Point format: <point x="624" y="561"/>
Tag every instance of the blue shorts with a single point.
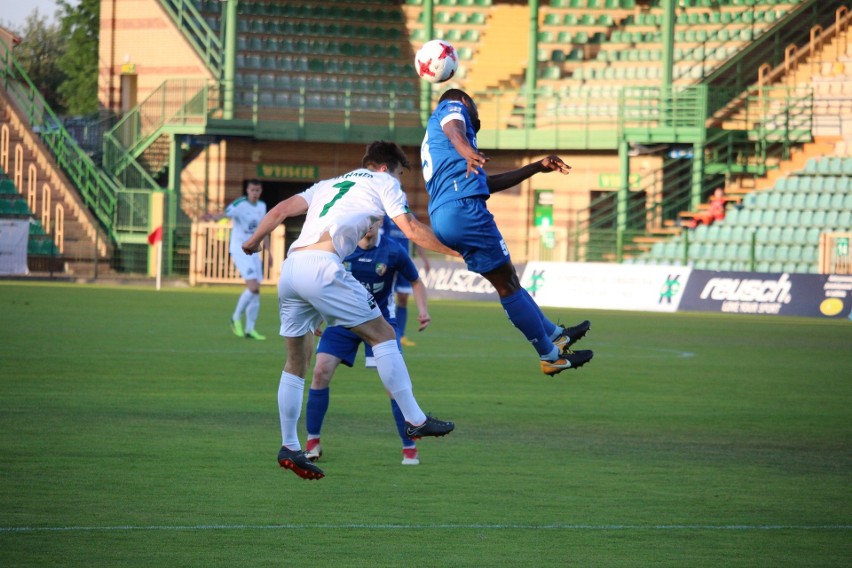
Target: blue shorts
<point x="400" y="284"/>
<point x="467" y="226"/>
<point x="343" y="343"/>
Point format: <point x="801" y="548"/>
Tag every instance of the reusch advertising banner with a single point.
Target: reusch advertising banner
<point x="810" y="295"/>
<point x="606" y="286"/>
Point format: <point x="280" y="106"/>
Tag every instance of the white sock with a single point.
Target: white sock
<point x="242" y="303"/>
<point x="290" y="392"/>
<point x="252" y="310"/>
<point x="394" y="374"/>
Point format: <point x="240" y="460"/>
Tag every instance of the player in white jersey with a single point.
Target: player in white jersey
<point x="246" y="213"/>
<point x="315" y="287"/>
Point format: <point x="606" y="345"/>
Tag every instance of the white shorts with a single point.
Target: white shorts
<point x="250" y="266"/>
<point x="315" y="287"/>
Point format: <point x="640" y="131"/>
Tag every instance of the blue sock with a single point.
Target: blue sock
<point x="525" y="314"/>
<point x="316" y="409"/>
<point x="400" y="425"/>
<point x="550" y="328"/>
<point x="401" y="319"/>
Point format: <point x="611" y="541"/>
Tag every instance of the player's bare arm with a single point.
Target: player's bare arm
<point x="421" y="234"/>
<point x="290" y="207"/>
<point x="418" y="290"/>
<point x="421" y="253"/>
<point x="499" y="182"/>
<point x="455" y="132"/>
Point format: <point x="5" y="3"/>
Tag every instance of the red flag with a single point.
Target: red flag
<point x="155" y="236"/>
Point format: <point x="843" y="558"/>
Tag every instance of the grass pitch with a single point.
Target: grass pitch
<point x="137" y="431"/>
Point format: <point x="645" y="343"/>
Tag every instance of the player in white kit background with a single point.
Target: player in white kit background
<point x="316" y="288"/>
<point x="246" y="213"/>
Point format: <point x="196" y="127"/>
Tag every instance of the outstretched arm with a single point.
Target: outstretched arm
<point x="418" y="290"/>
<point x="290" y="207"/>
<point x="421" y="252"/>
<point x="499" y="182"/>
<point x="421" y="234"/>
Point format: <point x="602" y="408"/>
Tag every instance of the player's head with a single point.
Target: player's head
<point x="253" y="190"/>
<point x="466" y="100"/>
<point x="387" y="157"/>
<point x="369" y="239"/>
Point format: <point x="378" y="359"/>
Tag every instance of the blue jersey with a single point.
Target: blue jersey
<point x="444" y="169"/>
<point x="394" y="233"/>
<point x="375" y="268"/>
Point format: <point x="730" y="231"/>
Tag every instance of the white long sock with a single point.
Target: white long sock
<point x="395" y="377"/>
<point x="290" y="392"/>
<point x="252" y="310"/>
<point x="242" y="303"/>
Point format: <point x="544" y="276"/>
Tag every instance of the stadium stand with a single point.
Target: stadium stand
<point x="14" y="206"/>
<point x="313" y="81"/>
<point x="777" y="228"/>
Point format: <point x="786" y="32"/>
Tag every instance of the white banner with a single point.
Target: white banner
<point x="14" y="234"/>
<point x="606" y="286"/>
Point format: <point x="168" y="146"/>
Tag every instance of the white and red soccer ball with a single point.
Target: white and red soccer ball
<point x="436" y="61"/>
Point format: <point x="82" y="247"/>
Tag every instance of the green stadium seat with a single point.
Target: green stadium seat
<point x="810" y="253"/>
<point x="831" y="219"/>
<point x="774" y="234"/>
<point x="793" y="217"/>
<point x="20" y="207"/>
<point x="811" y="200"/>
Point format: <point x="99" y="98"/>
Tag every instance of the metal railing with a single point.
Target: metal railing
<point x="99" y="192"/>
<point x="177" y="102"/>
<point x="205" y="40"/>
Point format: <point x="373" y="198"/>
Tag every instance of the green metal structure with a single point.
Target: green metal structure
<point x="145" y="151"/>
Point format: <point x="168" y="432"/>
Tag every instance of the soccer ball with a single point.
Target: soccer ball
<point x="436" y="61"/>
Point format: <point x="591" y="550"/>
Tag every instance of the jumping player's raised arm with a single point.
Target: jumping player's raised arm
<point x="421" y="234"/>
<point x="290" y="207"/>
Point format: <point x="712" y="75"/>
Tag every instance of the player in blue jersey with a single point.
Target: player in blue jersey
<point x="401" y="286"/>
<point x="458" y="188"/>
<point x="376" y="262"/>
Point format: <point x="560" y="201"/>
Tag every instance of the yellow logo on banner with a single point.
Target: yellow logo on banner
<point x="831" y="306"/>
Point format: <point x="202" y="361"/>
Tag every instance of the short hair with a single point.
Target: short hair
<point x="455" y="95"/>
<point x="382" y="153"/>
<point x="254" y="181"/>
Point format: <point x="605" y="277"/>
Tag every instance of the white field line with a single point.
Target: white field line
<point x="419" y="527"/>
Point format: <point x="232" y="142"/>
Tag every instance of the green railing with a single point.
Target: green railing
<point x="758" y="129"/>
<point x="653" y="204"/>
<point x="98" y="191"/>
<point x="175" y="103"/>
<point x="205" y="41"/>
<point x="741" y="71"/>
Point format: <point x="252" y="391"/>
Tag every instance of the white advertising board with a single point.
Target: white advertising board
<point x="14" y="234"/>
<point x="606" y="286"/>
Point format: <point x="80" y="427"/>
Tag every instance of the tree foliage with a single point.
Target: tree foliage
<point x="80" y="26"/>
<point x="42" y="44"/>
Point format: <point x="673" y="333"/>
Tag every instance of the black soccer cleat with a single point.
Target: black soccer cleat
<point x="571" y="335"/>
<point x="298" y="463"/>
<point x="567" y="360"/>
<point x="432" y="427"/>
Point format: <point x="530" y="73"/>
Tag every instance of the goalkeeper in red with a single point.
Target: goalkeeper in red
<point x="458" y="188"/>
